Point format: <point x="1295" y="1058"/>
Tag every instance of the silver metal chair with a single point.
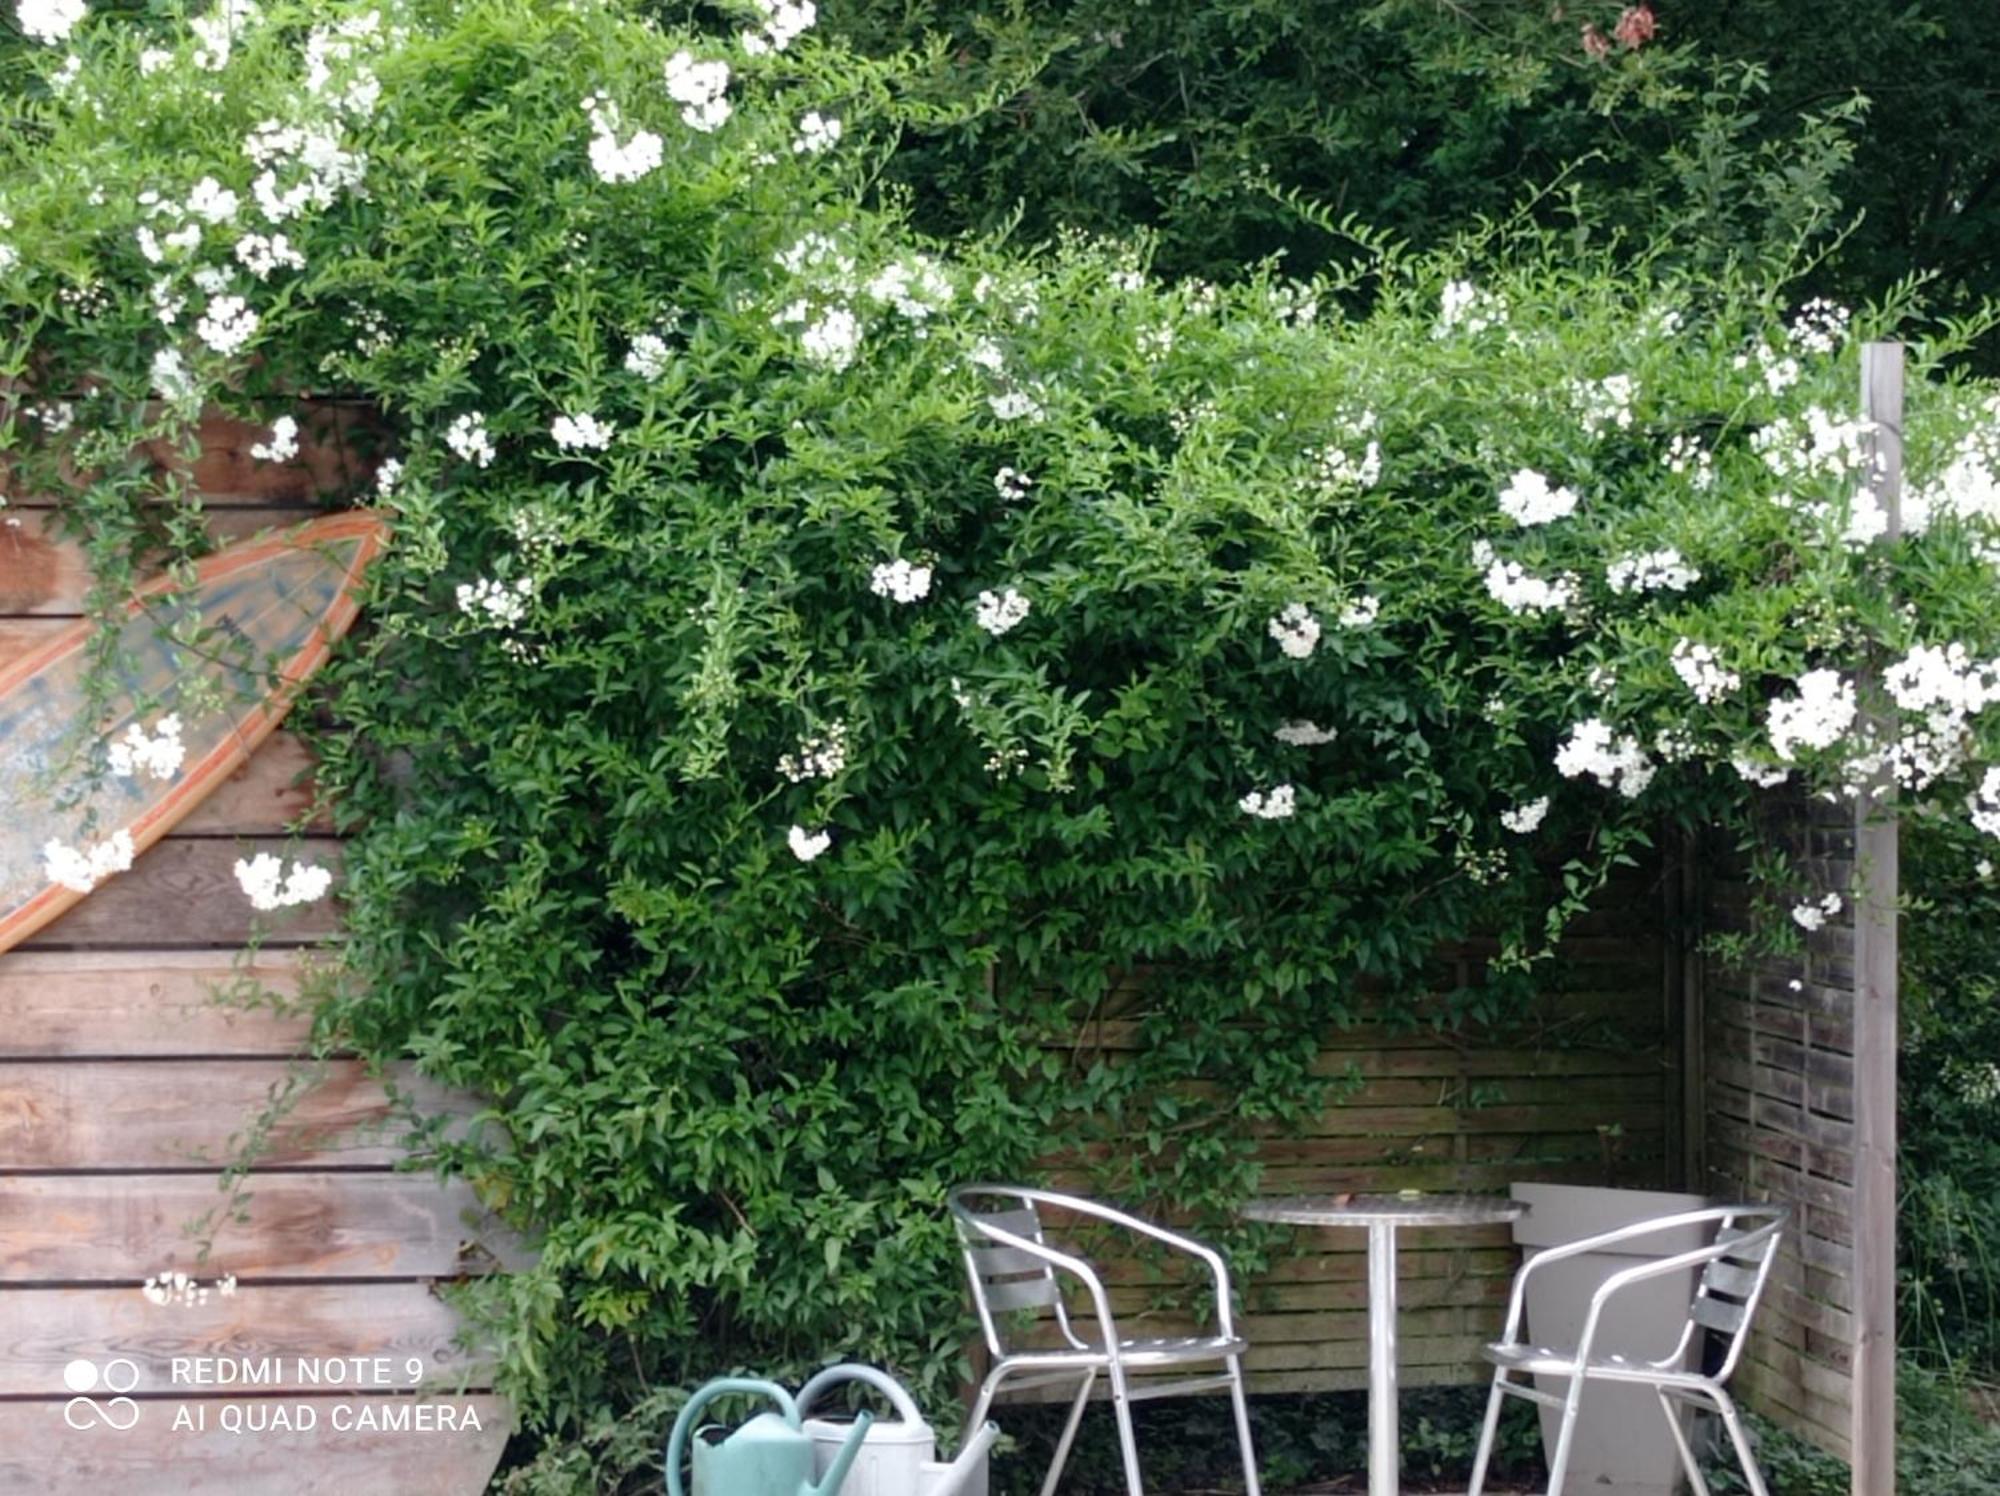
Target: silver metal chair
<point x="1013" y="1268"/>
<point x="1734" y="1268"/>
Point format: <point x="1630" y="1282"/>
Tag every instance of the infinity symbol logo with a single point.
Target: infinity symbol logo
<point x="116" y="1375"/>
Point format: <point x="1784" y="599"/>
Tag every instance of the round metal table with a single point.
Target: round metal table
<point x="1384" y="1215"/>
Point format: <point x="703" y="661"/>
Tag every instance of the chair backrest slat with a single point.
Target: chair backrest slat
<point x="1717" y="1314"/>
<point x="1028" y="1293"/>
<point x="1004" y="1262"/>
<point x="1726" y="1277"/>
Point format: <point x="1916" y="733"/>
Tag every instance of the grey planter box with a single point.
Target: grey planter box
<point x="1622" y="1445"/>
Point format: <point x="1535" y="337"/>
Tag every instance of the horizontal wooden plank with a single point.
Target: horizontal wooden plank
<point x="345" y="1453"/>
<point x="265" y="797"/>
<point x="296" y="1338"/>
<point x="46" y="573"/>
<point x="70" y="1004"/>
<point x="122" y="1228"/>
<point x="136" y="1115"/>
<point x="183" y="893"/>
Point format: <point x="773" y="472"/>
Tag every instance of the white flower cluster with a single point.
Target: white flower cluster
<point x="1463" y="307"/>
<point x="612" y="161"/>
<point x="1817" y="717"/>
<point x="1530" y="499"/>
<point x="1820" y="326"/>
<point x="159" y="753"/>
<point x="283" y="445"/>
<point x="171" y="376"/>
<point x="1814" y="915"/>
<point x="1301" y="733"/>
<point x="49" y="21"/>
<point x="1518" y="590"/>
<point x="1948" y="687"/>
<point x="833" y="339"/>
<point x="1779" y="371"/>
<point x="9" y="255"/>
<point x="53" y="416"/>
<point x="264" y="880"/>
<point x="490" y="601"/>
<point x="1686" y="456"/>
<point x="466" y="436"/>
<point x="261" y="254"/>
<point x="998" y="612"/>
<point x="334" y="75"/>
<point x="1012" y="484"/>
<point x="313" y="152"/>
<point x="179" y="1289"/>
<point x="216" y="32"/>
<point x="701" y="89"/>
<point x="1296" y="631"/>
<point x="807" y="845"/>
<point x="1017" y="405"/>
<point x="898" y="579"/>
<point x="1664" y="570"/>
<point x="1613" y="760"/>
<point x="1281" y="804"/>
<point x="818" y="134"/>
<point x="1362" y="612"/>
<point x="387" y="477"/>
<point x="1984" y="803"/>
<point x="1813" y="445"/>
<point x="1334" y="468"/>
<point x="227" y="324"/>
<point x="81" y="870"/>
<point x="915" y="286"/>
<point x="1764" y="776"/>
<point x="648" y="356"/>
<point x="1969" y="486"/>
<point x="1701" y="670"/>
<point x="1525" y="818"/>
<point x="582" y="432"/>
<point x="820" y="756"/>
<point x="1606" y="402"/>
<point x="785" y="21"/>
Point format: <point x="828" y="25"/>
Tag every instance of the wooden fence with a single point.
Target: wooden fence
<point x="122" y="1085"/>
<point x="1585" y="1089"/>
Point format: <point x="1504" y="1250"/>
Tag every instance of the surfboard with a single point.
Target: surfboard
<point x="224" y="655"/>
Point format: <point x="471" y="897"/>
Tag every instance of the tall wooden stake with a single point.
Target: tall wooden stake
<point x="1877" y="893"/>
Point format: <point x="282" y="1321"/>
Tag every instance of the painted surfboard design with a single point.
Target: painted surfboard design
<point x="226" y="657"/>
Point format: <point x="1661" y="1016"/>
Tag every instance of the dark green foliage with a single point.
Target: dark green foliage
<point x="1727" y="134"/>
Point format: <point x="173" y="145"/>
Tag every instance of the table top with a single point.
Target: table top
<point x="1386" y="1210"/>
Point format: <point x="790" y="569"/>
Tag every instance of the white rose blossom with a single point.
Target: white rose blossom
<point x="999" y="612"/>
<point x="1525" y="818"/>
<point x="900" y="580"/>
<point x="1530" y="499"/>
<point x="264" y="879"/>
<point x="1281" y="804"/>
<point x="1817" y="717"/>
<point x="1613" y="760"/>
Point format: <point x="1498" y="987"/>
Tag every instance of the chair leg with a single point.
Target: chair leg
<point x="1732" y="1421"/>
<point x="1688" y="1461"/>
<point x="1128" y="1445"/>
<point x="1487" y="1431"/>
<point x="1565" y="1436"/>
<point x="1068" y="1434"/>
<point x="983" y="1404"/>
<point x="1242" y="1401"/>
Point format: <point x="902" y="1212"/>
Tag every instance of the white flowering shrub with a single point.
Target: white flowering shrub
<point x="813" y="663"/>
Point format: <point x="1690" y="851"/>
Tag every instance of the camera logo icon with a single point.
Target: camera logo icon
<point x="84" y="1378"/>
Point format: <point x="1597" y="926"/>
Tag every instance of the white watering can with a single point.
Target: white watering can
<point x="898" y="1457"/>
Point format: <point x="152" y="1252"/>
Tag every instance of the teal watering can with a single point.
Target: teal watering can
<point x="771" y="1455"/>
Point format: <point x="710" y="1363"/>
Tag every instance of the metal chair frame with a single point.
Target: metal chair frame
<point x="1735" y="1268"/>
<point x="1011" y="1266"/>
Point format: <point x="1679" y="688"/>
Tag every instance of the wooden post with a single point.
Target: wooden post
<point x="1876" y="895"/>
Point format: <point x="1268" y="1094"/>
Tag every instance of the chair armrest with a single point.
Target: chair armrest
<point x="1599" y="1242"/>
<point x="1212" y="1259"/>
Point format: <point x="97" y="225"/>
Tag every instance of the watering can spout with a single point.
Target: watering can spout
<point x="844" y="1461"/>
<point x="971" y="1462"/>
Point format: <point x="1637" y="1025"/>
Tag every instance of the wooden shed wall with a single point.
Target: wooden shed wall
<point x="123" y="1084"/>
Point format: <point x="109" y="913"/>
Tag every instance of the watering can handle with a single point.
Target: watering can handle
<point x="881" y="1381"/>
<point x="677" y="1441"/>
